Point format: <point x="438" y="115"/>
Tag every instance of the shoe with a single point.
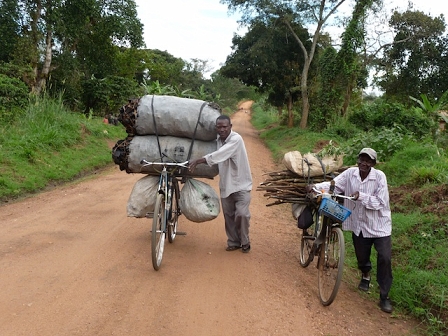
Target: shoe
<point x="232" y="248"/>
<point x="386" y="305"/>
<point x="246" y="248"/>
<point x="364" y="285"/>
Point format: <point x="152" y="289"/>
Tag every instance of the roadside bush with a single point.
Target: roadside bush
<point x="13" y="98"/>
<point x="386" y="142"/>
<point x="382" y="114"/>
<point x="343" y="128"/>
<point x="404" y="166"/>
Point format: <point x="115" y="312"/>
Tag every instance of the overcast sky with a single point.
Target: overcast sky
<point x="203" y="29"/>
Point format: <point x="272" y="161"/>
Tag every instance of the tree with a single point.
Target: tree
<point x="267" y="58"/>
<point x="416" y="61"/>
<point x="315" y="12"/>
<point x="9" y="28"/>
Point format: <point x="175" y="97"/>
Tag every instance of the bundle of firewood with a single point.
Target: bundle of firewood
<point x="286" y="186"/>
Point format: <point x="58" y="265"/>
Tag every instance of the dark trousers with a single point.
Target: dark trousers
<point x="383" y="246"/>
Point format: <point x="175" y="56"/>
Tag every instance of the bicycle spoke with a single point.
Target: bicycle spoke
<point x="331" y="266"/>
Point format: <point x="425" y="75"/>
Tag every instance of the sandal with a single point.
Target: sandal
<point x="232" y="248"/>
<point x="246" y="248"/>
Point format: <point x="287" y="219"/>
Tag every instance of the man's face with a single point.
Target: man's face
<point x="365" y="163"/>
<point x="223" y="127"/>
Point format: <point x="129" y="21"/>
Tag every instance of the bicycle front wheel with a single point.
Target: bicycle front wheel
<point x="174" y="212"/>
<point x="158" y="232"/>
<point x="306" y="242"/>
<point x="331" y="266"/>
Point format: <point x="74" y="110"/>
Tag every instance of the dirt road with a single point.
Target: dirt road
<point x="72" y="263"/>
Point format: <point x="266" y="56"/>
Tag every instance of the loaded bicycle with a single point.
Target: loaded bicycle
<point x="325" y="239"/>
<point x="166" y="210"/>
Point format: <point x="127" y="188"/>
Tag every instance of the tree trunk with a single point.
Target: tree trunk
<point x="290" y="115"/>
<point x="305" y="99"/>
<point x="42" y="81"/>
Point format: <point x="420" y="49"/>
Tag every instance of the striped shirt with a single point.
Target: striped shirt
<point x="233" y="163"/>
<point x="371" y="212"/>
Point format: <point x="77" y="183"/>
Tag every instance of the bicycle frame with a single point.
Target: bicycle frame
<point x="327" y="242"/>
<point x="165" y="210"/>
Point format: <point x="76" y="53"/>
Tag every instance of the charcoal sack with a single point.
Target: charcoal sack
<point x="142" y="199"/>
<point x="199" y="202"/>
<point x="128" y="154"/>
<point x="169" y="115"/>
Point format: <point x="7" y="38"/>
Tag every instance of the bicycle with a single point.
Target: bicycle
<point x="325" y="239"/>
<point x="166" y="210"/>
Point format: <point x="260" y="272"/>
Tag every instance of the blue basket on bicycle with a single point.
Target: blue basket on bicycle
<point x="334" y="210"/>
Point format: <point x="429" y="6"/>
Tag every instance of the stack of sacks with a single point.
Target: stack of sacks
<point x="169" y="129"/>
<point x="178" y="129"/>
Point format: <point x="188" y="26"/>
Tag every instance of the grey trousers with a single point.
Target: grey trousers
<point x="237" y="217"/>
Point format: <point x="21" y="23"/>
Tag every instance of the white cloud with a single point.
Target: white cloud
<point x="189" y="29"/>
<point x="203" y="29"/>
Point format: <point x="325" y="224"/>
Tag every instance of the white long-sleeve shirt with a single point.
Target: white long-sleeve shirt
<point x="233" y="163"/>
<point x="371" y="212"/>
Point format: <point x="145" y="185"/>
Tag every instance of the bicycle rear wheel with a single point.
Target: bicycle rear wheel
<point x="306" y="242"/>
<point x="158" y="232"/>
<point x="331" y="265"/>
<point x="174" y="212"/>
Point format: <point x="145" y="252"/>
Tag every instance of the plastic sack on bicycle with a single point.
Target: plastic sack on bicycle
<point x="304" y="215"/>
<point x="199" y="202"/>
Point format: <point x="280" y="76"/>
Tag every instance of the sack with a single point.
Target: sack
<point x="143" y="197"/>
<point x="305" y="219"/>
<point x="199" y="202"/>
<point x="308" y="165"/>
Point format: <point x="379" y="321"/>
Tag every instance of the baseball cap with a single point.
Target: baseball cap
<point x="369" y="151"/>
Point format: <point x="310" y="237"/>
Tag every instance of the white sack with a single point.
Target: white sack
<point x="309" y="165"/>
<point x="143" y="197"/>
<point x="176" y="149"/>
<point x="199" y="202"/>
<point x="176" y="116"/>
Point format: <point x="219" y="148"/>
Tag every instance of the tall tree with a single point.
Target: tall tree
<point x="267" y="57"/>
<point x="9" y="28"/>
<point x="416" y="61"/>
<point x="313" y="12"/>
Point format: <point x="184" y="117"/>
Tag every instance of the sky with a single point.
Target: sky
<point x="203" y="29"/>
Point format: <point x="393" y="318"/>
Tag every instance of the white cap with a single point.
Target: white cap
<point x="369" y="151"/>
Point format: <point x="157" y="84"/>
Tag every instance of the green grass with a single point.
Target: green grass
<point x="419" y="236"/>
<point x="48" y="145"/>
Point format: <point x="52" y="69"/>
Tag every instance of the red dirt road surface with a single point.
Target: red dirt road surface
<point x="73" y="263"/>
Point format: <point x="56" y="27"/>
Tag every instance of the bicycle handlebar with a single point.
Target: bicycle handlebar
<point x="177" y="164"/>
<point x="351" y="198"/>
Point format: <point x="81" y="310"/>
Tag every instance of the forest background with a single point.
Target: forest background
<point x="65" y="65"/>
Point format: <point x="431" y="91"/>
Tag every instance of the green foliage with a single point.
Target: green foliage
<point x="386" y="142"/>
<point x="342" y="128"/>
<point x="107" y="95"/>
<point x="404" y="167"/>
<point x="51" y="144"/>
<point x="13" y="98"/>
<point x="383" y="114"/>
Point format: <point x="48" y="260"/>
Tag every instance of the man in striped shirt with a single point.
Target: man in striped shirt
<point x="235" y="183"/>
<point x="370" y="221"/>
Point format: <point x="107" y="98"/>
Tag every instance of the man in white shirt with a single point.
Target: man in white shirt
<point x="235" y="183"/>
<point x="370" y="221"/>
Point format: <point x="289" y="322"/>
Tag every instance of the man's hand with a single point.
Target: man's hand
<point x="192" y="164"/>
<point x="355" y="195"/>
<point x="309" y="188"/>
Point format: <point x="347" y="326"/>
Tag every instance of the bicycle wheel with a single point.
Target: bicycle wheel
<point x="173" y="214"/>
<point x="158" y="231"/>
<point x="331" y="265"/>
<point x="306" y="242"/>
